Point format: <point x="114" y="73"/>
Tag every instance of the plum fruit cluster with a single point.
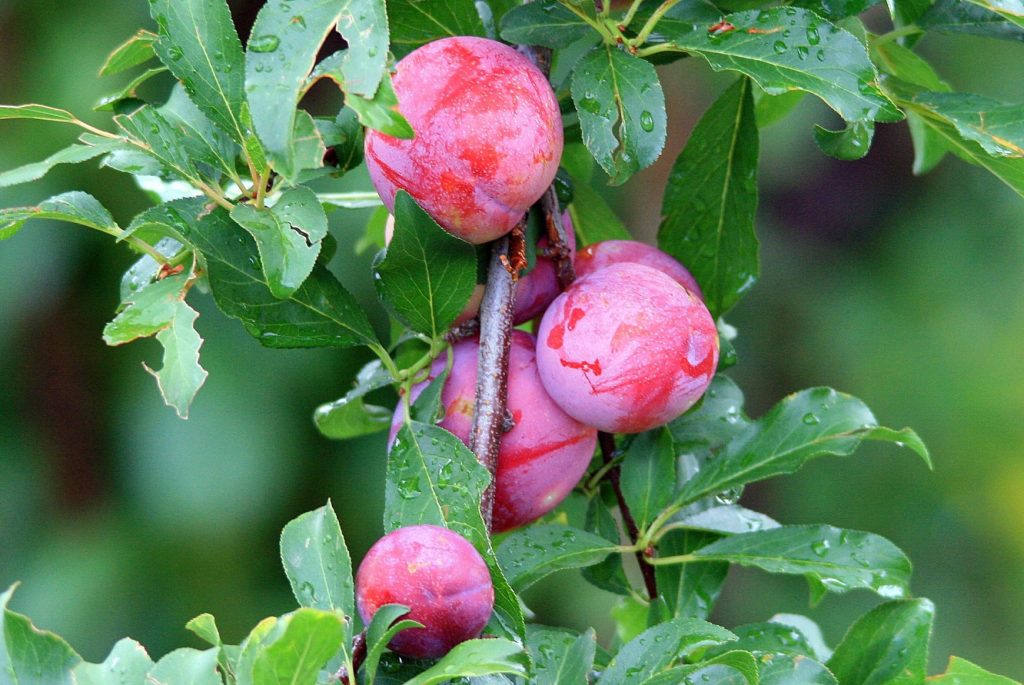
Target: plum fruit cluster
<point x="628" y="346"/>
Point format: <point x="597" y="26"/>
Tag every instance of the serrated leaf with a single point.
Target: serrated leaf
<point x="836" y="9"/>
<point x="543" y="22"/>
<point x="129" y="91"/>
<point x="205" y="142"/>
<point x="73" y="154"/>
<point x="621" y="109"/>
<point x="147" y="311"/>
<point x="957" y="16"/>
<point x="29" y="656"/>
<point x="771" y="109"/>
<point x="135" y="51"/>
<point x="474" y="658"/>
<point x="186" y="667"/>
<point x="648" y="474"/>
<point x="560" y="657"/>
<point x="181" y="376"/>
<point x="321" y="313"/>
<point x="350" y="416"/>
<point x="74" y="207"/>
<point x="690" y="590"/>
<point x="379" y="112"/>
<point x="433" y="478"/>
<point x="205" y="627"/>
<point x="766" y="637"/>
<point x="889" y="644"/>
<point x="288" y="236"/>
<point x="384" y="625"/>
<point x="198" y="43"/>
<point x="805" y="425"/>
<point x="997" y="127"/>
<point x="1011" y="10"/>
<point x="427" y="275"/>
<point x="963" y="672"/>
<point x="161" y="140"/>
<point x="37" y="112"/>
<point x="128" y="662"/>
<point x="364" y="26"/>
<point x="532" y="553"/>
<point x="711" y="199"/>
<point x="318" y="564"/>
<point x="816" y="56"/>
<point x="295" y="648"/>
<point x="592" y="218"/>
<point x="729" y="668"/>
<point x="416" y="22"/>
<point x="657" y="648"/>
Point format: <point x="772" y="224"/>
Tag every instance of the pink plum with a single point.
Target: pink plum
<point x="437" y="574"/>
<point x="626" y="349"/>
<point x="542" y="458"/>
<point x="488" y="136"/>
<point x="608" y="252"/>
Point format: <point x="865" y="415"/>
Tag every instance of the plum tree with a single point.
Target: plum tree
<point x="608" y="252"/>
<point x="437" y="574"/>
<point x="544" y="455"/>
<point x="488" y="136"/>
<point x="626" y="349"/>
<point x="538" y="288"/>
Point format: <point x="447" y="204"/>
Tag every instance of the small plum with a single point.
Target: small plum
<point x="542" y="458"/>
<point x="437" y="574"/>
<point x="488" y="136"/>
<point x="537" y="289"/>
<point x="608" y="252"/>
<point x="626" y="349"/>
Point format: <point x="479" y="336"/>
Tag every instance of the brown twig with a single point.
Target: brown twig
<point x="492" y="364"/>
<point x="607" y="442"/>
<point x="558" y="242"/>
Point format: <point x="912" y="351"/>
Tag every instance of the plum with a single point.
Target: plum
<point x="542" y="458"/>
<point x="488" y="136"/>
<point x="608" y="252"/>
<point x="626" y="349"/>
<point x="537" y="289"/>
<point x="437" y="574"/>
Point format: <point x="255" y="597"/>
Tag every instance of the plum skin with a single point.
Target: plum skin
<point x="626" y="349"/>
<point x="608" y="252"/>
<point x="488" y="136"/>
<point x="439" y="575"/>
<point x="542" y="458"/>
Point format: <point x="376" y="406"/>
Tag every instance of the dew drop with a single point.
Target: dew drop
<point x="646" y="121"/>
<point x="299" y="21"/>
<point x="590" y="105"/>
<point x="820" y="547"/>
<point x="780" y="47"/>
<point x="812" y="35"/>
<point x="820" y="55"/>
<point x="811" y="419"/>
<point x="175" y="53"/>
<point x="801" y="52"/>
<point x="265" y="43"/>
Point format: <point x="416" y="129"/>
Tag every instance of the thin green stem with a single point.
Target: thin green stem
<point x="97" y="131"/>
<point x="901" y="32"/>
<point x="385" y="359"/>
<point x="601" y="473"/>
<point x="598" y="26"/>
<point x="666" y="561"/>
<point x="626" y="20"/>
<point x="652" y="532"/>
<point x="655" y="49"/>
<point x="648" y="27"/>
<point x="261" y="188"/>
<point x="147" y="248"/>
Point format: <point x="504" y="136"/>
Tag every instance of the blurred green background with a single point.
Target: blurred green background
<point x="121" y="519"/>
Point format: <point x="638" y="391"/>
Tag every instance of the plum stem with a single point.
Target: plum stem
<point x="558" y="238"/>
<point x="492" y="362"/>
<point x="607" y="443"/>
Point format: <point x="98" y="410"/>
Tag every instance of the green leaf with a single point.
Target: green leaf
<point x="593" y="219"/>
<point x="851" y="143"/>
<point x="288" y="236"/>
<point x="433" y="478"/>
<point x="205" y="627"/>
<point x="147" y="311"/>
<point x="317" y="562"/>
<point x="956" y="16"/>
<point x="786" y="669"/>
<point x="963" y="672"/>
<point x="657" y="648"/>
<point x="532" y="553"/>
<point x="109" y="102"/>
<point x="185" y="667"/>
<point x="690" y="590"/>
<point x="711" y="198"/>
<point x="805" y="425"/>
<point x="543" y="22"/>
<point x="649" y="474"/>
<point x="163" y="141"/>
<point x="416" y="22"/>
<point x="815" y="56"/>
<point x="295" y="649"/>
<point x="427" y="274"/>
<point x="889" y="644"/>
<point x="135" y="51"/>
<point x="475" y="658"/>
<point x="560" y="657"/>
<point x="205" y="142"/>
<point x="727" y="519"/>
<point x="128" y="662"/>
<point x="198" y="43"/>
<point x="73" y="154"/>
<point x="343" y="137"/>
<point x="997" y="127"/>
<point x="609" y="574"/>
<point x="37" y="112"/>
<point x="321" y="313"/>
<point x="1011" y="10"/>
<point x="715" y="421"/>
<point x="621" y="109"/>
<point x="774" y="638"/>
<point x="29" y="656"/>
<point x="349" y="416"/>
<point x="364" y="26"/>
<point x="384" y="626"/>
<point x="771" y="109"/>
<point x="379" y="112"/>
<point x="74" y="207"/>
<point x="731" y="668"/>
<point x="836" y="9"/>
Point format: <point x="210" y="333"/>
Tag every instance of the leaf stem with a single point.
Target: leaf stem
<point x="655" y="49"/>
<point x="261" y="188"/>
<point x="386" y="360"/>
<point x="901" y="32"/>
<point x="626" y="20"/>
<point x="147" y="248"/>
<point x="648" y="27"/>
<point x="598" y="26"/>
<point x="666" y="561"/>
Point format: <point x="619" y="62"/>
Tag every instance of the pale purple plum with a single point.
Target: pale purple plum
<point x="488" y="136"/>
<point x="437" y="574"/>
<point x="608" y="252"/>
<point x="626" y="349"/>
<point x="542" y="458"/>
